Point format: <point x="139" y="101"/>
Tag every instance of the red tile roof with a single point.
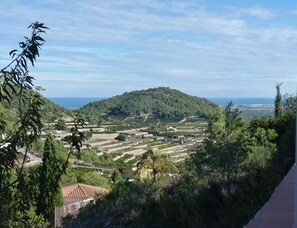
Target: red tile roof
<point x="82" y="191"/>
<point x="279" y="210"/>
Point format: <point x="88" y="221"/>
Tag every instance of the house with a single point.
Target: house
<point x="76" y="196"/>
<point x="130" y="174"/>
<point x="143" y="173"/>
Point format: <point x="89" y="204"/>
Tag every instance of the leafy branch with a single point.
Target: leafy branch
<point x="16" y="86"/>
<point x="16" y="73"/>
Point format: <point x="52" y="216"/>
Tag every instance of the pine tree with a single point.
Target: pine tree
<point x="278" y="112"/>
<point x="221" y="156"/>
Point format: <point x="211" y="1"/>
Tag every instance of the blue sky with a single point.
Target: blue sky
<point x="223" y="48"/>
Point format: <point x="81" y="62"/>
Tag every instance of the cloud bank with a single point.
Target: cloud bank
<point x="104" y="48"/>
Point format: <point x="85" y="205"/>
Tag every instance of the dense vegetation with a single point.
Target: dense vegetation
<point x="49" y="110"/>
<point x="226" y="181"/>
<point x="162" y="102"/>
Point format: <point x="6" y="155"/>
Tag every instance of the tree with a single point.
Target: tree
<point x="221" y="157"/>
<point x="61" y="125"/>
<point x="157" y="162"/>
<point x="95" y="179"/>
<point x="290" y="103"/>
<point x="278" y="112"/>
<point x="17" y="86"/>
<point x="121" y="137"/>
<point x="88" y="134"/>
<point x="50" y="194"/>
<point x="19" y="186"/>
<point x="116" y="176"/>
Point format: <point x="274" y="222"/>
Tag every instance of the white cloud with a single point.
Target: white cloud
<point x="148" y="43"/>
<point x="260" y="13"/>
<point x="256" y="11"/>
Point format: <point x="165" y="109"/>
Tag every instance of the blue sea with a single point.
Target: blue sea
<point x="73" y="102"/>
<point x="77" y="102"/>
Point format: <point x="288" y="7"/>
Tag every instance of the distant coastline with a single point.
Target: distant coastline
<point x="222" y="101"/>
<point x="78" y="102"/>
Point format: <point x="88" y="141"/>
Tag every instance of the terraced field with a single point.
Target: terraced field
<point x="177" y="141"/>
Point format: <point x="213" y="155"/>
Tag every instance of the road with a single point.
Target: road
<point x="33" y="158"/>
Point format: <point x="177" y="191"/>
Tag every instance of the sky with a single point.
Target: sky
<point x="207" y="48"/>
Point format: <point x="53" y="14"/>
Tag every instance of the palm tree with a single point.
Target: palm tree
<point x="156" y="161"/>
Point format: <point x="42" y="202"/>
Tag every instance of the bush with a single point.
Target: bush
<point x="95" y="179"/>
<point x="121" y="137"/>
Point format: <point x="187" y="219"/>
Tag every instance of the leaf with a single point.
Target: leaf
<point x="12" y="52"/>
<point x="44" y="27"/>
<point x="33" y="49"/>
<point x="30" y="57"/>
<point x="39" y="38"/>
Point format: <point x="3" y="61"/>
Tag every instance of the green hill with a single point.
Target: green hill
<point x="50" y="111"/>
<point x="162" y="102"/>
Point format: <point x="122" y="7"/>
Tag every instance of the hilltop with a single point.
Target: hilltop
<point x="161" y="102"/>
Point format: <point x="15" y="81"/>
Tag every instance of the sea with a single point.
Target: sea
<point x="74" y="102"/>
<point x="78" y="102"/>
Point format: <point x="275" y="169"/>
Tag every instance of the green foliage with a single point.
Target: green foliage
<point x="261" y="147"/>
<point x="116" y="176"/>
<point x="224" y="184"/>
<point x="88" y="134"/>
<point x="121" y="137"/>
<point x="89" y="156"/>
<point x="290" y="103"/>
<point x="76" y="138"/>
<point x="38" y="146"/>
<point x="119" y="208"/>
<point x="223" y="153"/>
<point x="95" y="179"/>
<point x="161" y="102"/>
<point x="278" y="102"/>
<point x="27" y="195"/>
<point x="61" y="125"/>
<point x="157" y="162"/>
<point x="17" y="86"/>
<point x="69" y="177"/>
<point x="236" y="160"/>
<point x="49" y="111"/>
<point x="50" y="194"/>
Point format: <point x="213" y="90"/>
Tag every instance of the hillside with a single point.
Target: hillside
<point x="50" y="111"/>
<point x="162" y="102"/>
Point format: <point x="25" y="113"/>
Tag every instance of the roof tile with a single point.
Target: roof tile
<point x="82" y="191"/>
